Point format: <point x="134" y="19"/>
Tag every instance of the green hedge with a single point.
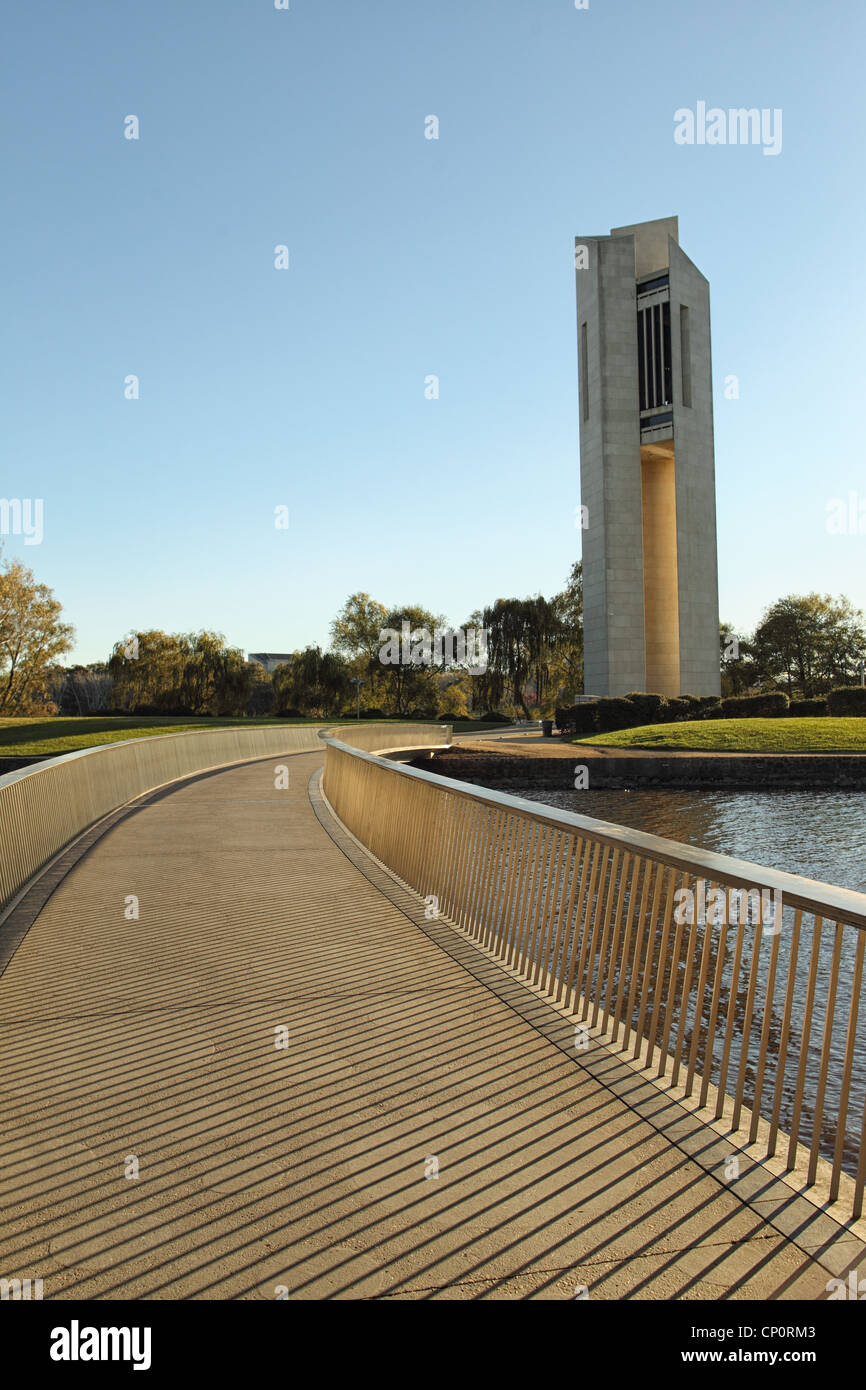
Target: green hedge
<point x="649" y="707"/>
<point x="612" y="713"/>
<point x="579" y="719"/>
<point x="771" y="705"/>
<point x="678" y="709"/>
<point x="807" y="709"/>
<point x="616" y="712"/>
<point x="847" y="700"/>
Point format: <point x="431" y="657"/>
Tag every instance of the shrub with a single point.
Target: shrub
<point x="847" y="700"/>
<point x="495" y="717"/>
<point x="771" y="705"/>
<point x="373" y="714"/>
<point x="650" y="709"/>
<point x="616" y="712"/>
<point x="678" y="709"/>
<point x="807" y="708"/>
<point x="583" y="718"/>
<point x="702" y="706"/>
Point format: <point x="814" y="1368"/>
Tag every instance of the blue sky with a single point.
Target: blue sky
<point x="408" y="257"/>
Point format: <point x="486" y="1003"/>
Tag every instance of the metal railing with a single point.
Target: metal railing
<point x="736" y="987"/>
<point x="45" y="807"/>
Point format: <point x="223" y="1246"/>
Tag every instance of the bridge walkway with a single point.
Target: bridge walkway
<point x="237" y="1055"/>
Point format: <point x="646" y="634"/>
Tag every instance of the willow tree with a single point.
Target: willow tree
<point x="522" y="634"/>
<point x="314" y="682"/>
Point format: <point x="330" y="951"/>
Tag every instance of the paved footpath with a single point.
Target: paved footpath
<point x="160" y="1142"/>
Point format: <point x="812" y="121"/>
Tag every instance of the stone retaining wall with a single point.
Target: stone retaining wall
<point x="744" y="771"/>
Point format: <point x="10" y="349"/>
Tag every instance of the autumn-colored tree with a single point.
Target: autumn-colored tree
<point x="32" y="637"/>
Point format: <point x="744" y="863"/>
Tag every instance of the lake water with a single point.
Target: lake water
<point x="818" y="834"/>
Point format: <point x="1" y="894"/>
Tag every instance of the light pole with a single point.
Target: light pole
<point x="357" y="682"/>
<point x="861" y="667"/>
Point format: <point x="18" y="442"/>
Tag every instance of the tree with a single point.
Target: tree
<point x="810" y="642"/>
<point x="83" y="689"/>
<point x="454" y="699"/>
<point x="738" y="669"/>
<point x="355" y="632"/>
<point x="566" y="657"/>
<point x="522" y="635"/>
<point x="216" y="679"/>
<point x="410" y="685"/>
<point x="179" y="673"/>
<point x="313" y="682"/>
<point x="32" y="637"/>
<point x="147" y="669"/>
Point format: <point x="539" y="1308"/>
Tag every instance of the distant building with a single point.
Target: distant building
<point x="270" y="660"/>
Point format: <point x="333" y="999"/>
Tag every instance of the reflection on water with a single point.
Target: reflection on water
<point x="818" y="834"/>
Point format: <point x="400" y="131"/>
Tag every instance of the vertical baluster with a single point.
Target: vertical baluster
<point x="673" y="980"/>
<point x="515" y="864"/>
<point x="749" y="1010"/>
<point x="590" y="937"/>
<point x="730" y="1015"/>
<point x="805" y="1038"/>
<point x="768" y="1016"/>
<point x="521" y="923"/>
<point x="850" y="1043"/>
<point x="647" y="973"/>
<point x="829" y="1020"/>
<point x="581" y="856"/>
<point x="569" y="875"/>
<point x="614" y="892"/>
<point x="541" y="889"/>
<point x="646" y="870"/>
<point x="687" y="984"/>
<point x="614" y="966"/>
<point x="785" y="1034"/>
<point x="550" y="883"/>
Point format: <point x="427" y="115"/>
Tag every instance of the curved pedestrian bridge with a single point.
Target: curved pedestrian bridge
<point x="243" y="1058"/>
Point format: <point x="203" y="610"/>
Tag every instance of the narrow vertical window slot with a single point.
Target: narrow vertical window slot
<point x="686" y="355"/>
<point x="641" y="359"/>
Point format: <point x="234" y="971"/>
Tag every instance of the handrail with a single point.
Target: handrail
<point x="608" y="922"/>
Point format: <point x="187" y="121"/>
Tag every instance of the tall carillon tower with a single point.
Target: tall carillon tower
<point x="647" y="473"/>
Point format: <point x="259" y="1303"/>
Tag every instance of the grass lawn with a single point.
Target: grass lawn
<point x="23" y="737"/>
<point x="819" y="735"/>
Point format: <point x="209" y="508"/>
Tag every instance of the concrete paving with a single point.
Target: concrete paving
<point x="427" y="1130"/>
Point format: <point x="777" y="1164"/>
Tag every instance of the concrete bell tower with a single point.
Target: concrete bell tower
<point x="647" y="472"/>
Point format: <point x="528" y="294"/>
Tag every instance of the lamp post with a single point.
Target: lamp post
<point x="861" y="667"/>
<point x="357" y="682"/>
